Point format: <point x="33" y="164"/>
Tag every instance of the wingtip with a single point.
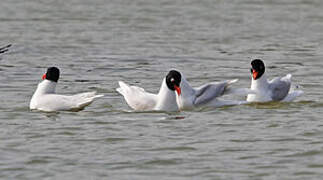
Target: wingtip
<point x="95" y="95"/>
<point x="98" y="96"/>
<point x="300" y="92"/>
<point x="233" y="81"/>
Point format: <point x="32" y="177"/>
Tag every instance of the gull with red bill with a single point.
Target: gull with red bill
<point x="45" y="98"/>
<point x="278" y="89"/>
<point x="140" y="100"/>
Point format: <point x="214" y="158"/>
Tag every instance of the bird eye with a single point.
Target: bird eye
<point x="172" y="80"/>
<point x="251" y="70"/>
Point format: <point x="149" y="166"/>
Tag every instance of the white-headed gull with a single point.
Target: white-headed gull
<point x="204" y="96"/>
<point x="140" y="100"/>
<point x="45" y="99"/>
<point x="278" y="89"/>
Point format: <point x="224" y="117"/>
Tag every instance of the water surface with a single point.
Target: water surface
<point x="96" y="43"/>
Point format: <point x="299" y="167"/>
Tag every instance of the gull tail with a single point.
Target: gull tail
<point x="123" y="89"/>
<point x="87" y="98"/>
<point x="293" y="95"/>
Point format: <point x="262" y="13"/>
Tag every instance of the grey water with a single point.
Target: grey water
<point x="97" y="43"/>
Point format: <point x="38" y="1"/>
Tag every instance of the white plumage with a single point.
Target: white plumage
<point x="45" y="99"/>
<point x="140" y="100"/>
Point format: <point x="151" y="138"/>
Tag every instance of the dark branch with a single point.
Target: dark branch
<point x="5" y="48"/>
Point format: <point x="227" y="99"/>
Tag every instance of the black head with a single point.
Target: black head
<point x="173" y="80"/>
<point x="52" y="74"/>
<point x="258" y="68"/>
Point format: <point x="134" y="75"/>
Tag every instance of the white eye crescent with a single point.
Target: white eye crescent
<point x="172" y="80"/>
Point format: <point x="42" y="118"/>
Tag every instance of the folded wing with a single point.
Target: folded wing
<point x="84" y="99"/>
<point x="208" y="92"/>
<point x="279" y="87"/>
<point x="56" y="102"/>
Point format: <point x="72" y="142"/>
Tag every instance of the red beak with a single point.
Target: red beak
<point x="254" y="74"/>
<point x="44" y="76"/>
<point x="178" y="89"/>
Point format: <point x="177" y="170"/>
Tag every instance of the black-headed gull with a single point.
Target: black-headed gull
<point x="140" y="100"/>
<point x="4" y="48"/>
<point x="278" y="89"/>
<point x="45" y="99"/>
<point x="204" y="96"/>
